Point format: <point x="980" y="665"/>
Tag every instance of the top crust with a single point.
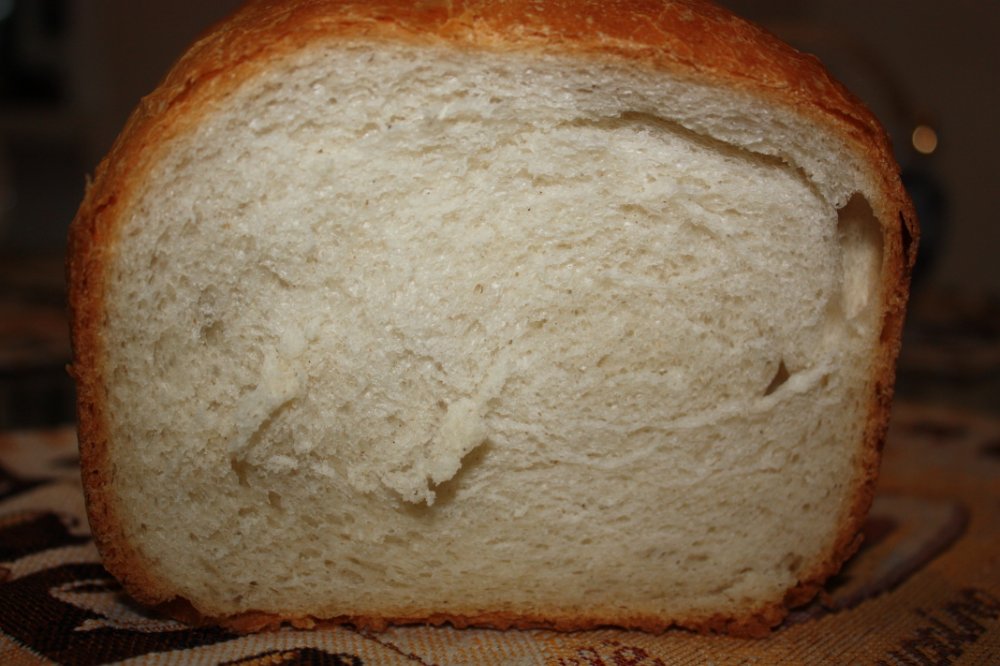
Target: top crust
<point x="686" y="38"/>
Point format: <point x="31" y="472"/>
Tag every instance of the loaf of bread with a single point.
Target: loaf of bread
<point x="533" y="313"/>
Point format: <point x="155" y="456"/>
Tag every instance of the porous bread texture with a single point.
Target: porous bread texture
<point x="406" y="331"/>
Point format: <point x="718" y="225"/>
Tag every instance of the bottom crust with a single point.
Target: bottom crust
<point x="756" y="624"/>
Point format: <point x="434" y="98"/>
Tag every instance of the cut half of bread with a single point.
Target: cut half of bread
<point x="510" y="314"/>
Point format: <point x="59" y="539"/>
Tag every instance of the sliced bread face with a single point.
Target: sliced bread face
<point x="395" y="331"/>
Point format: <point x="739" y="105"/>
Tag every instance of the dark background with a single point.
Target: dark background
<point x="70" y="72"/>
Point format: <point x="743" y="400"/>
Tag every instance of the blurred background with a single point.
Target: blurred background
<point x="70" y="72"/>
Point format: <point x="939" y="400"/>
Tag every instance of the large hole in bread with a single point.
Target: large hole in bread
<point x="860" y="237"/>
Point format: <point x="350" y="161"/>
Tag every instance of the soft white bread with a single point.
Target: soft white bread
<point x="555" y="314"/>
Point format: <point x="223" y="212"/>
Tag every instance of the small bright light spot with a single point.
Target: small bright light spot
<point x="924" y="139"/>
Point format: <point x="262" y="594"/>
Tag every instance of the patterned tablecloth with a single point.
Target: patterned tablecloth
<point x="925" y="588"/>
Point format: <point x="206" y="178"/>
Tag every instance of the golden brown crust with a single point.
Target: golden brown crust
<point x="686" y="37"/>
<point x="752" y="625"/>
